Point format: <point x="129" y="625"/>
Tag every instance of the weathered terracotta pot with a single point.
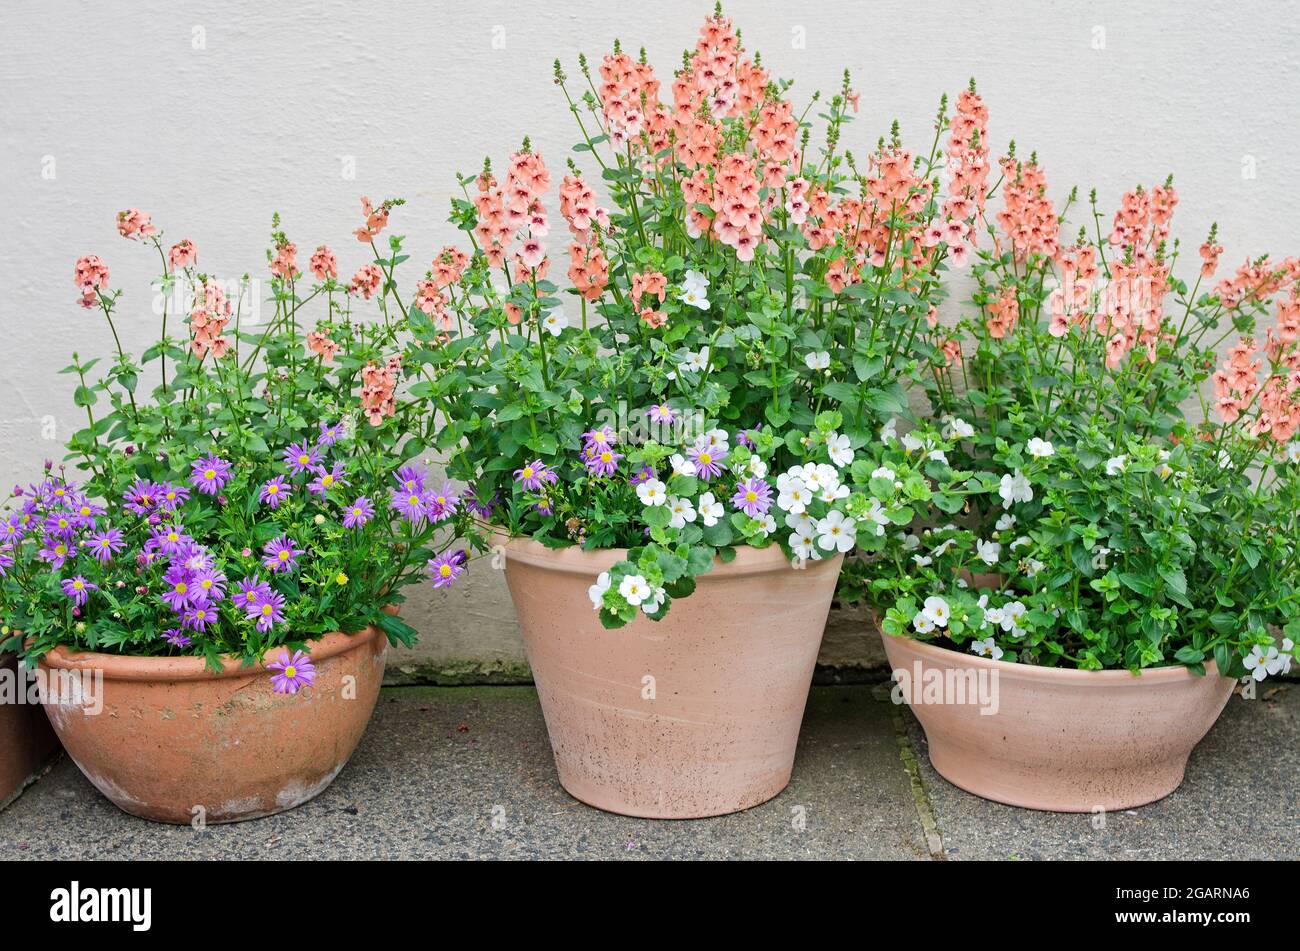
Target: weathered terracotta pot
<point x="173" y="736"/>
<point x="694" y="715"/>
<point x="1059" y="740"/>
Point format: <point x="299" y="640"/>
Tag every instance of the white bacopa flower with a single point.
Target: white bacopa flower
<point x="1015" y="488"/>
<point x="1293" y="452"/>
<point x="710" y="510"/>
<point x="597" y="591"/>
<point x="651" y="492"/>
<point x="837" y="445"/>
<point x="938" y="455"/>
<point x="1225" y="460"/>
<point x="1261" y="662"/>
<point x="1116" y="464"/>
<point x="634" y="589"/>
<point x="757" y="467"/>
<point x="696" y="362"/>
<point x="656" y="600"/>
<point x="695" y="290"/>
<point x="911" y="541"/>
<point x="995" y="616"/>
<point x="767" y="524"/>
<point x="937" y="610"/>
<point x="818" y="360"/>
<point x="1284" y="658"/>
<point x="988" y="552"/>
<point x="986" y="648"/>
<point x="1014" y="611"/>
<point x="837" y="532"/>
<point x="833" y="493"/>
<point x="876" y="515"/>
<point x="1033" y="566"/>
<point x="923" y="561"/>
<point x="802" y="542"/>
<point x="681" y="465"/>
<point x="922" y="624"/>
<point x="958" y="428"/>
<point x="912" y="443"/>
<point x="1006" y="521"/>
<point x="884" y="472"/>
<point x="554" y="322"/>
<point x="792" y="495"/>
<point x="889" y="431"/>
<point x="682" y="510"/>
<point x="1040" y="448"/>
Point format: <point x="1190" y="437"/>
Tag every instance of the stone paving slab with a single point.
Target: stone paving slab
<point x="1240" y="799"/>
<point x="437" y="765"/>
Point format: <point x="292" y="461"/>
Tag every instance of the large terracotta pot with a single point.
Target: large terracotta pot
<point x="173" y="736"/>
<point x="694" y="715"/>
<point x="1059" y="740"/>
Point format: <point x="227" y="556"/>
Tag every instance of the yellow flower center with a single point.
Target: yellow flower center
<point x="272" y="489"/>
<point x="284" y="555"/>
<point x="60" y="549"/>
<point x="267" y="609"/>
<point x="181" y="587"/>
<point x="327" y="480"/>
<point x="341" y="579"/>
<point x="209" y="474"/>
<point x="291" y="672"/>
<point x="303" y="460"/>
<point x="172" y="536"/>
<point x="528" y="472"/>
<point x="445" y="571"/>
<point x="413" y="500"/>
<point x="207" y="583"/>
<point x="77" y="585"/>
<point x="705" y="458"/>
<point x="356" y="511"/>
<point x="751" y="496"/>
<point x="606" y="456"/>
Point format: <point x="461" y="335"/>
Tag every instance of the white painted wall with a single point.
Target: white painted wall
<point x="212" y="115"/>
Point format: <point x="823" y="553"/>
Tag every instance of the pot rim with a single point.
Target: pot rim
<point x="572" y="559"/>
<point x="1058" y="675"/>
<point x="137" y="668"/>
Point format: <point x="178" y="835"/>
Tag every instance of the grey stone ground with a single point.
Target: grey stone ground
<point x="437" y="765"/>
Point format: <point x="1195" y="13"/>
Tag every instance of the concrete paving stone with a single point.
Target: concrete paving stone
<point x="437" y="766"/>
<point x="1240" y="800"/>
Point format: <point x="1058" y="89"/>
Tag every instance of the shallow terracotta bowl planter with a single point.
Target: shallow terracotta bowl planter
<point x="173" y="736"/>
<point x="1063" y="740"/>
<point x="694" y="715"/>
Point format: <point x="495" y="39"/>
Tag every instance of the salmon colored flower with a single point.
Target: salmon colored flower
<point x="367" y="280"/>
<point x="324" y="264"/>
<point x="91" y="276"/>
<point x="285" y="263"/>
<point x="376" y="220"/>
<point x="183" y="254"/>
<point x="135" y="224"/>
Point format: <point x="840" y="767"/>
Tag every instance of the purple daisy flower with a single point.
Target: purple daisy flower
<point x="326" y="479"/>
<point x="178" y="586"/>
<point x="211" y="584"/>
<point x="662" y="413"/>
<point x="60" y="525"/>
<point x="600" y="438"/>
<point x="13" y="530"/>
<point x="78" y="589"/>
<point x="269" y="611"/>
<point x="445" y="569"/>
<point x="601" y="462"/>
<point x="707" y="458"/>
<point x="358" y="513"/>
<point x="210" y="474"/>
<point x="293" y="673"/>
<point x="251" y="592"/>
<point x="441" y="504"/>
<point x="281" y="555"/>
<point x="410" y="505"/>
<point x="410" y="478"/>
<point x="534" y="475"/>
<point x="142" y="497"/>
<point x="274" y="491"/>
<point x="104" y="545"/>
<point x="301" y="457"/>
<point x="56" y="552"/>
<point x="170" y="539"/>
<point x="200" y="617"/>
<point x="745" y="437"/>
<point x="84" y="512"/>
<point x="329" y="435"/>
<point x="753" y="497"/>
<point x="544" y="506"/>
<point x="175" y="638"/>
<point x="171" y="497"/>
<point x="644" y="474"/>
<point x="192" y="556"/>
<point x="6" y="560"/>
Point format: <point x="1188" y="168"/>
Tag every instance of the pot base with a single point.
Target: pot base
<point x="1054" y="739"/>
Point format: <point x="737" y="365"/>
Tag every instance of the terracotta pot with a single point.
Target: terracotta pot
<point x="1059" y="740"/>
<point x="694" y="715"/>
<point x="172" y="735"/>
<point x="26" y="742"/>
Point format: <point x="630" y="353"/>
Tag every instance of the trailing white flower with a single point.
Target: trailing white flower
<point x="694" y="290"/>
<point x="554" y="322"/>
<point x="1015" y="488"/>
<point x="597" y="591"/>
<point x="634" y="589"/>
<point x="837" y="445"/>
<point x="986" y="648"/>
<point x="710" y="509"/>
<point x="683" y="511"/>
<point x="1116" y="464"/>
<point x="937" y="610"/>
<point x="818" y="360"/>
<point x="1040" y="448"/>
<point x="837" y="532"/>
<point x="651" y="492"/>
<point x="988" y="552"/>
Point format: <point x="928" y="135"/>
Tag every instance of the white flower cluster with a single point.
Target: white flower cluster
<point x="798" y="488"/>
<point x="936" y="612"/>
